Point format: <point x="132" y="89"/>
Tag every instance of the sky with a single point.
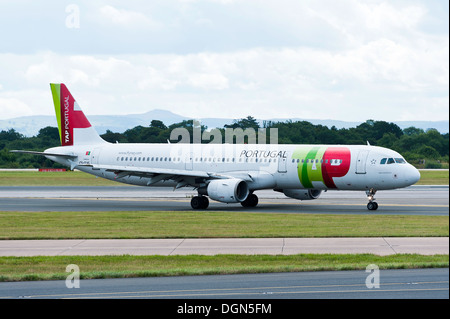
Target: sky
<point x="349" y="60"/>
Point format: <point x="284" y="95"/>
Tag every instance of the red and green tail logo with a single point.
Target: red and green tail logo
<point x="68" y="113"/>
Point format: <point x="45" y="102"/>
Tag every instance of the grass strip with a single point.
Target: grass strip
<point x="91" y="267"/>
<point x="431" y="177"/>
<point x="68" y="178"/>
<point x="170" y="224"/>
<point x="77" y="178"/>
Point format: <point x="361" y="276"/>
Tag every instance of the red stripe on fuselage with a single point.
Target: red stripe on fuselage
<point x="329" y="170"/>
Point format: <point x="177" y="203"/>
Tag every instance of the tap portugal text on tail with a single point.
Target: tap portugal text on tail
<point x="228" y="173"/>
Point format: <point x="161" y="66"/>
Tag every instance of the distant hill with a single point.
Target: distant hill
<point x="30" y="125"/>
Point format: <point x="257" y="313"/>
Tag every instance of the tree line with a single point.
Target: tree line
<point x="426" y="149"/>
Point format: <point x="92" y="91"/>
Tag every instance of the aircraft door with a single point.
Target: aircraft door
<point x="361" y="161"/>
<point x="95" y="154"/>
<point x="282" y="162"/>
<point x="189" y="162"/>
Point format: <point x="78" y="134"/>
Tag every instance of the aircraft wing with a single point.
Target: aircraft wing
<point x="145" y="171"/>
<point x="182" y="177"/>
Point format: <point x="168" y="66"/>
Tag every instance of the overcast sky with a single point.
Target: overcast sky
<point x="320" y="59"/>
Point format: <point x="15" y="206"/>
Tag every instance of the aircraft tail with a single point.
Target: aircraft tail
<point x="74" y="127"/>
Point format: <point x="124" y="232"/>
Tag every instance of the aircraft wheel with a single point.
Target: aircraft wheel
<point x="199" y="202"/>
<point x="205" y="202"/>
<point x="250" y="201"/>
<point x="372" y="206"/>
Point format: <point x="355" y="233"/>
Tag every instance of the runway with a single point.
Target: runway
<point x="415" y="200"/>
<point x="394" y="284"/>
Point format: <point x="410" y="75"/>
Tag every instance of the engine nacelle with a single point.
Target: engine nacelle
<point x="303" y="194"/>
<point x="232" y="190"/>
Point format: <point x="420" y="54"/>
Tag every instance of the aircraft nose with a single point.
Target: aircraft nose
<point x="413" y="175"/>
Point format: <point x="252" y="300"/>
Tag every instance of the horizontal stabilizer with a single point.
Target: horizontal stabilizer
<point x="44" y="154"/>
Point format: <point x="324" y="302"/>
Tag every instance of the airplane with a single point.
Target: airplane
<point x="228" y="173"/>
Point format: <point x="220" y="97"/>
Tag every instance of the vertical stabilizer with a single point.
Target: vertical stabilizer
<point x="74" y="127"/>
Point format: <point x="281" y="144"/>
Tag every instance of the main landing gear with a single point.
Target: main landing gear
<point x="199" y="202"/>
<point x="202" y="202"/>
<point x="370" y="196"/>
<point x="250" y="201"/>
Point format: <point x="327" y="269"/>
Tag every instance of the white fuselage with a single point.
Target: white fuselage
<point x="266" y="166"/>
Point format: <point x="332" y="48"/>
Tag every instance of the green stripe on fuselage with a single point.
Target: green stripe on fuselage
<point x="311" y="169"/>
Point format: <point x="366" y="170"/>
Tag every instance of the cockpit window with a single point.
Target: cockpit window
<point x="383" y="161"/>
<point x="400" y="160"/>
<point x="390" y="160"/>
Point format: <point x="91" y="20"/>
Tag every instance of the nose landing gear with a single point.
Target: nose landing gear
<point x="370" y="196"/>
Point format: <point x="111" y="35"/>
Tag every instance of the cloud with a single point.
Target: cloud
<point x="381" y="79"/>
<point x="13" y="107"/>
<point x="126" y="18"/>
<point x="346" y="59"/>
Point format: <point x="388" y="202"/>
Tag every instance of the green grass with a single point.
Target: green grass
<point x="431" y="177"/>
<point x="53" y="268"/>
<point x="76" y="178"/>
<point x="68" y="178"/>
<point x="209" y="224"/>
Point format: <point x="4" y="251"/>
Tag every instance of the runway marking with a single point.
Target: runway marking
<point x="277" y="293"/>
<point x="267" y="203"/>
<point x="265" y="290"/>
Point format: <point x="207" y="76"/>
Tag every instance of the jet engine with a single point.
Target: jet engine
<point x="231" y="190"/>
<point x="302" y="194"/>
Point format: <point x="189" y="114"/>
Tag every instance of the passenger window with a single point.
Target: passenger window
<point x="383" y="161"/>
<point x="390" y="161"/>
